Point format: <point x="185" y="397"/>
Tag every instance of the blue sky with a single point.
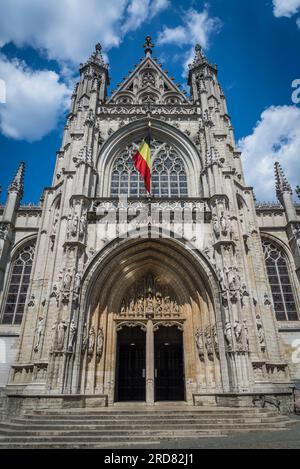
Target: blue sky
<point x="254" y="44"/>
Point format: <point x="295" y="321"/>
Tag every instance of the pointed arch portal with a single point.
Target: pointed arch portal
<point x="150" y="297"/>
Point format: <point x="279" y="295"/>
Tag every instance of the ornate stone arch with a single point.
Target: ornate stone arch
<point x="136" y="131"/>
<point x="113" y="270"/>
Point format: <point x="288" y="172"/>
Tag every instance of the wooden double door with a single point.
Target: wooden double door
<point x="168" y="365"/>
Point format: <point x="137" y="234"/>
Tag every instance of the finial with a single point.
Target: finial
<point x="282" y="184"/>
<point x="17" y="184"/>
<point x="199" y="58"/>
<point x="148" y="46"/>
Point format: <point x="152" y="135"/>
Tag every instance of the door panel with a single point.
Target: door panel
<point x="169" y="367"/>
<point x="131" y="365"/>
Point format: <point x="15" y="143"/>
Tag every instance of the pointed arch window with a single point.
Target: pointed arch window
<point x="18" y="283"/>
<point x="280" y="282"/>
<point x="169" y="177"/>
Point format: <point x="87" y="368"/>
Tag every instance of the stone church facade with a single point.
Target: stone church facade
<point x="109" y="294"/>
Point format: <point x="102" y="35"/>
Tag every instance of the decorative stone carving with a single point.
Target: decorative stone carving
<point x="77" y="283"/>
<point x="216" y="226"/>
<point x="150" y="298"/>
<point x="84" y="157"/>
<point x="214" y="334"/>
<point x="82" y="225"/>
<point x="31" y="301"/>
<point x="238" y="330"/>
<point x="3" y="231"/>
<point x="100" y="343"/>
<point x="267" y="301"/>
<point x="39" y="333"/>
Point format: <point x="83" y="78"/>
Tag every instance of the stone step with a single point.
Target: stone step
<point x="36" y="425"/>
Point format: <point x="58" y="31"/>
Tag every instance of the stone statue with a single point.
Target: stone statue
<point x="100" y="343"/>
<point x="237" y="327"/>
<point x="208" y="342"/>
<point x="91" y="341"/>
<point x="75" y="222"/>
<point x="215" y="339"/>
<point x="215" y="224"/>
<point x="69" y="225"/>
<point x="82" y="225"/>
<point x="55" y="222"/>
<point x="200" y="343"/>
<point x="61" y="332"/>
<point x="228" y="335"/>
<point x="224" y="225"/>
<point x="39" y="332"/>
<point x="77" y="282"/>
<point x="222" y="280"/>
<point x="234" y="281"/>
<point x="84" y="338"/>
<point x="261" y="334"/>
<point x="53" y="335"/>
<point x="72" y="335"/>
<point x="67" y="281"/>
<point x="246" y="332"/>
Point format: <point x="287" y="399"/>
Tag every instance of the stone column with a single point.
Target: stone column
<point x="150" y="363"/>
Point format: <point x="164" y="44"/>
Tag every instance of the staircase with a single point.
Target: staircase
<point x="120" y="427"/>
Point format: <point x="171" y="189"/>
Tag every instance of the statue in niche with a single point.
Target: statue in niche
<point x="69" y="225"/>
<point x="222" y="280"/>
<point x="72" y="335"/>
<point x="53" y="335"/>
<point x="77" y="282"/>
<point x="75" y="222"/>
<point x="216" y="226"/>
<point x="200" y="343"/>
<point x="246" y="333"/>
<point x="67" y="281"/>
<point x="228" y="335"/>
<point x="84" y="338"/>
<point x="91" y="341"/>
<point x="55" y="222"/>
<point x="261" y="334"/>
<point x="82" y="225"/>
<point x="215" y="339"/>
<point x="100" y="342"/>
<point x="39" y="332"/>
<point x="237" y="327"/>
<point x="234" y="281"/>
<point x="208" y="342"/>
<point x="61" y="332"/>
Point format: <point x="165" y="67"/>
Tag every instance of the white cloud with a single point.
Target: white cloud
<point x="140" y="11"/>
<point x="298" y="22"/>
<point x="276" y="137"/>
<point x="66" y="30"/>
<point x="197" y="27"/>
<point x="286" y="8"/>
<point x="35" y="100"/>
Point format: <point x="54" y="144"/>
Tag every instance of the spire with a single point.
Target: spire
<point x="282" y="184"/>
<point x="148" y="46"/>
<point x="199" y="58"/>
<point x="96" y="58"/>
<point x="17" y="184"/>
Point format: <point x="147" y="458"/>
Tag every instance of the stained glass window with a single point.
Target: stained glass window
<point x="168" y="173"/>
<point x="18" y="286"/>
<point x="280" y="282"/>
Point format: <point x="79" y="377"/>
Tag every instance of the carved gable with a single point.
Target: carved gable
<point x="148" y="83"/>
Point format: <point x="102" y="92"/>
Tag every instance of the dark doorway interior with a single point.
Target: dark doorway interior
<point x="169" y="368"/>
<point x="131" y="365"/>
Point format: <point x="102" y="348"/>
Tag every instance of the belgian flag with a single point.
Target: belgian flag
<point x="142" y="159"/>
